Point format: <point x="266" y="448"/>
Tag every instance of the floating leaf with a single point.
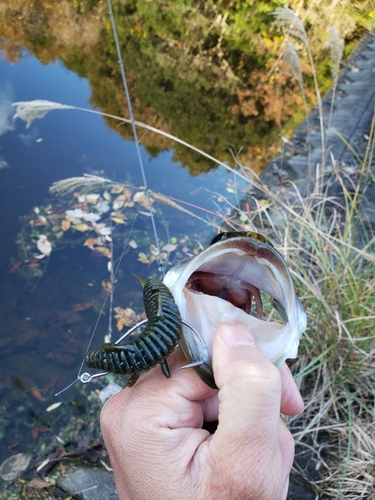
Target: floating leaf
<point x="107" y="196"/>
<point x="65" y="224"/>
<point x="119" y="214"/>
<point x="141" y="198"/>
<point x="13" y="466"/>
<point x="92" y="198"/>
<point x="90" y="217"/>
<point x="117" y="204"/>
<point x="90" y="242"/>
<point x="107" y="286"/>
<point x="169" y="247"/>
<point x="105" y="231"/>
<point x="40" y="221"/>
<point x="142" y="257"/>
<point x="36" y="394"/>
<point x="132" y="244"/>
<point x="154" y="250"/>
<point x="43" y="245"/>
<point x="15" y="265"/>
<point x="54" y="406"/>
<point x="77" y="213"/>
<point x="82" y="307"/>
<point x="117" y="189"/>
<point x="105" y="251"/>
<point x="126" y="317"/>
<point x="127" y="193"/>
<point x="82" y="227"/>
<point x="118" y="220"/>
<point x="102" y="207"/>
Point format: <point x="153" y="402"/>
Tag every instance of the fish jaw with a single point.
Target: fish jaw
<point x="239" y="260"/>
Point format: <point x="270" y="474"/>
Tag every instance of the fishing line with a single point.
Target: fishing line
<point x="135" y="135"/>
<point x="127" y="94"/>
<point x="79" y="376"/>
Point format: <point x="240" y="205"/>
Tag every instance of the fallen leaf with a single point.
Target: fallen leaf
<point x="142" y="257"/>
<point x="118" y="220"/>
<point x="44" y="246"/>
<point x="126" y="317"/>
<point x="82" y="307"/>
<point x="107" y="286"/>
<point x="133" y="244"/>
<point x="38" y="430"/>
<point x="104" y="231"/>
<point x="27" y="336"/>
<point x="77" y="213"/>
<point x="169" y="247"/>
<point x="14" y="266"/>
<point x="38" y="483"/>
<point x="118" y="204"/>
<point x="154" y="250"/>
<point x="90" y="242"/>
<point x="40" y="221"/>
<point x="117" y="189"/>
<point x="12" y="467"/>
<point x="104" y="250"/>
<point x="54" y="406"/>
<point x="36" y="394"/>
<point x="82" y="227"/>
<point x="92" y="198"/>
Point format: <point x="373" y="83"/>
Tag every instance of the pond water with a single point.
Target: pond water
<point x="45" y="325"/>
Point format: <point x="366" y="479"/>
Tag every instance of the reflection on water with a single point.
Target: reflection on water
<point x="46" y="322"/>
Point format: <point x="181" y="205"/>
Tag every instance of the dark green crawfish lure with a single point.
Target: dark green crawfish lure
<point x="152" y="346"/>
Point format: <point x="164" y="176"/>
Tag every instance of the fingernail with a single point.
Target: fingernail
<point x="236" y="334"/>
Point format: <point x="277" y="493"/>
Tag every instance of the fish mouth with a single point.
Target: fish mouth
<point x="226" y="282"/>
<point x="238" y="292"/>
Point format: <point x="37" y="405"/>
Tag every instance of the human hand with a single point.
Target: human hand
<point x="158" y="449"/>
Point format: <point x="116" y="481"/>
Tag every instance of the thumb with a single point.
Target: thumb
<point x="249" y="407"/>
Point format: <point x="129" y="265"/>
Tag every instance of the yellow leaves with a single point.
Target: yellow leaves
<point x="126" y="317"/>
<point x="82" y="226"/>
<point x="117" y="189"/>
<point x="141" y="198"/>
<point x="104" y="250"/>
<point x="142" y="257"/>
<point x="90" y="242"/>
<point x="65" y="224"/>
<point x="107" y="285"/>
<point x="118" y="220"/>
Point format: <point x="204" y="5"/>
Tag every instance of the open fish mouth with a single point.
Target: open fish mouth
<point x="227" y="282"/>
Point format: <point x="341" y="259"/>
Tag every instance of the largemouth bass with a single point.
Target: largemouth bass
<point x="224" y="283"/>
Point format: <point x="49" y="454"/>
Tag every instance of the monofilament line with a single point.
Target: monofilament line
<point x="124" y="81"/>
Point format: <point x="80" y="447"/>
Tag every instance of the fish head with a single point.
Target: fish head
<point x="227" y="282"/>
